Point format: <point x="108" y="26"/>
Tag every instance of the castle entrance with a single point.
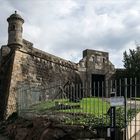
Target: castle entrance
<point x="98" y="84"/>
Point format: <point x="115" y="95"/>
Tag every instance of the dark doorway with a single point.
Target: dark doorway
<point x="98" y="85"/>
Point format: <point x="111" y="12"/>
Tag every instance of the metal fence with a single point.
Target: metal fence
<point x="87" y="104"/>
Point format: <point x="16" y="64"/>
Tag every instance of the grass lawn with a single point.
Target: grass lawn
<point x="96" y="106"/>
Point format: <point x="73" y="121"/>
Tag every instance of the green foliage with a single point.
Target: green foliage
<point x="93" y="121"/>
<point x="132" y="62"/>
<point x="90" y="120"/>
<point x="131" y="113"/>
<point x="120" y="116"/>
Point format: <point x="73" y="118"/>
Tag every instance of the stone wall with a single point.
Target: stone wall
<point x="6" y="65"/>
<point x="39" y="74"/>
<point x="96" y="62"/>
<point x="34" y="69"/>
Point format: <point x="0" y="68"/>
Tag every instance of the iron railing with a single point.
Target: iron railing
<point x="85" y="104"/>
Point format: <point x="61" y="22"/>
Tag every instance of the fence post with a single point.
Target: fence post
<point x="125" y="109"/>
<point x="113" y="120"/>
<point x="113" y="123"/>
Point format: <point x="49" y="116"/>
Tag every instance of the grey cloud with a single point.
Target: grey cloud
<point x="67" y="27"/>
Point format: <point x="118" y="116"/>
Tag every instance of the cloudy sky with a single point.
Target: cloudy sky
<point x="66" y="27"/>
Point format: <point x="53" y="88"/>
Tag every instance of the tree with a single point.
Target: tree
<point x="132" y="62"/>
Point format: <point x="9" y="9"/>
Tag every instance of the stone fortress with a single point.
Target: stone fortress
<point x="22" y="65"/>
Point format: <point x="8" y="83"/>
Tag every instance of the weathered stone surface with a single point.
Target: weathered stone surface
<point x="44" y="129"/>
<point x="30" y="71"/>
<point x="21" y="134"/>
<point x="52" y="134"/>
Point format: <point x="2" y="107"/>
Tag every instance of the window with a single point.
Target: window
<point x="103" y="60"/>
<point x="13" y="27"/>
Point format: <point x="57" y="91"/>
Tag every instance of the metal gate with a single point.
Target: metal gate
<point x="112" y="108"/>
<point x="125" y="109"/>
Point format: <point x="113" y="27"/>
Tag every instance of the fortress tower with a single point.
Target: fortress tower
<point x="15" y="30"/>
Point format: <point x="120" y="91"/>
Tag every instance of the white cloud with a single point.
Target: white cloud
<point x="67" y="27"/>
<point x="32" y="32"/>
